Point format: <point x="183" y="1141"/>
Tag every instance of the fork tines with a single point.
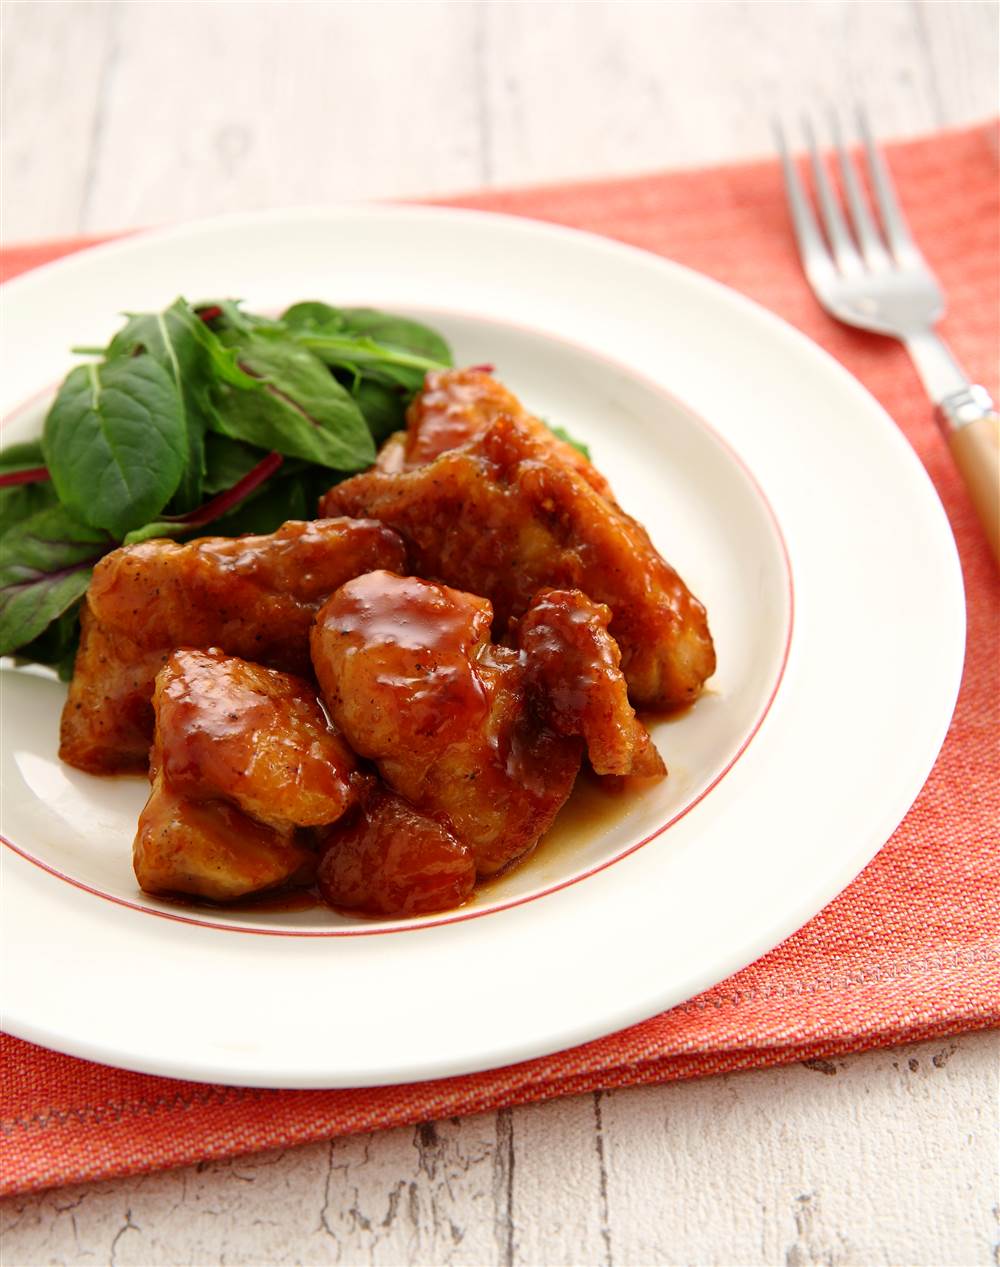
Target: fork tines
<point x="865" y="249"/>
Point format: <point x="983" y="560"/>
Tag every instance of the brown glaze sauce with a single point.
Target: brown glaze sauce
<point x="269" y="902"/>
<point x="593" y="805"/>
<point x="410" y="614"/>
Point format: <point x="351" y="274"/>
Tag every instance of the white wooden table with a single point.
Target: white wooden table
<point x="117" y="115"/>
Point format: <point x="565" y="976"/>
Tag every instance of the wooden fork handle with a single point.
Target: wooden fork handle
<point x="976" y="450"/>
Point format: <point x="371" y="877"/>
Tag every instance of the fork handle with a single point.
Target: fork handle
<point x="972" y="427"/>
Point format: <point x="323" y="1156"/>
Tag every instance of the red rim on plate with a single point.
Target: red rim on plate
<point x="461" y="916"/>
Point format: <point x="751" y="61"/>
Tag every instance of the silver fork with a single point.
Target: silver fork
<point x="875" y="278"/>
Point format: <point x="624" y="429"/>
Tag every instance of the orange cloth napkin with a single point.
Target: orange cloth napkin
<point x="911" y="950"/>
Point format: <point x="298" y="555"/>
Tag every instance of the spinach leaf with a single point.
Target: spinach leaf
<point x="562" y="434"/>
<point x="115" y="442"/>
<point x="312" y="317"/>
<point x="226" y="314"/>
<point x="18" y="501"/>
<point x="169" y="340"/>
<point x="398" y="332"/>
<point x="46" y="566"/>
<point x="384" y="408"/>
<point x="22" y="500"/>
<point x="364" y="356"/>
<point x="221" y="360"/>
<point x="182" y="344"/>
<point x="303" y="411"/>
<point x="266" y="510"/>
<point x="367" y="342"/>
<point x="57" y="645"/>
<point x="227" y="461"/>
<point x="21" y="457"/>
<point x="184" y="317"/>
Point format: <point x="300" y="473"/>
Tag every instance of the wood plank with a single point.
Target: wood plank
<point x="881" y="1158"/>
<point x="434" y="1194"/>
<point x="422" y="1195"/>
<point x="120" y="116"/>
<point x="961" y="46"/>
<point x="604" y="87"/>
<point x="56" y="63"/>
<point x="559" y="1203"/>
<point x="217" y="107"/>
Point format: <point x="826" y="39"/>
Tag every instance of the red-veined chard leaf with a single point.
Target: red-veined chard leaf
<point x="302" y="412"/>
<point x="213" y="510"/>
<point x="45" y="568"/>
<point x="20" y="499"/>
<point x="227" y="461"/>
<point x="25" y="456"/>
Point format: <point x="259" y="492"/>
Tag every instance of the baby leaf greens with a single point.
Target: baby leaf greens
<point x="563" y="434"/>
<point x="379" y="359"/>
<point x="178" y="341"/>
<point x="115" y="442"/>
<point x="194" y="416"/>
<point x="294" y="405"/>
<point x="45" y="568"/>
<point x="24" y="483"/>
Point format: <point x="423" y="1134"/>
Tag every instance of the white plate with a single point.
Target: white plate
<point x="800" y="474"/>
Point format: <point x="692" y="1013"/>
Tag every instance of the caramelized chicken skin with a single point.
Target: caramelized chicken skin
<point x="489" y="501"/>
<point x="252" y="596"/>
<point x="225" y="727"/>
<point x="386" y="858"/>
<point x="457" y="406"/>
<point x="574" y="663"/>
<point x="412" y="681"/>
<point x="243" y="757"/>
<point x="210" y="850"/>
<point x="483" y="737"/>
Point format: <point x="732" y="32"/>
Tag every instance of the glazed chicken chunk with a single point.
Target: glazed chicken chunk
<point x="456" y="406"/>
<point x="574" y="665"/>
<point x="387" y="858"/>
<point x="464" y="729"/>
<point x="489" y="501"/>
<point x="252" y="596"/>
<point x="243" y="757"/>
<point x="209" y="850"/>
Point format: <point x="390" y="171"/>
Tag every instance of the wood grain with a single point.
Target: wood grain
<point x="128" y="114"/>
<point x="885" y="1158"/>
<point x="55" y="62"/>
<point x="123" y="114"/>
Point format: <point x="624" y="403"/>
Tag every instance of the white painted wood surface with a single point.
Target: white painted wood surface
<point x="884" y="1159"/>
<point x="127" y="114"/>
<point x="116" y="115"/>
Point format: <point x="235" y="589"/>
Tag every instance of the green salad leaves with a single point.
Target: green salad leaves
<point x="198" y="415"/>
<point x="115" y="442"/>
<point x="45" y="569"/>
